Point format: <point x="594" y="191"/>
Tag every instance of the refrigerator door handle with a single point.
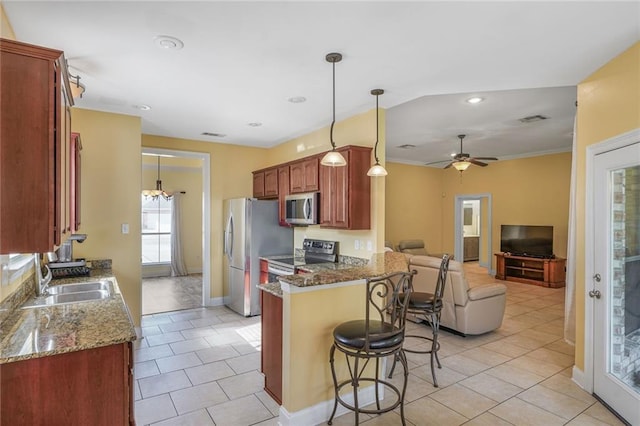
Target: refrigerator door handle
<point x="228" y="243"/>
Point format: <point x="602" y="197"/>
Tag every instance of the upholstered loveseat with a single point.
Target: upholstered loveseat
<point x="467" y="309"/>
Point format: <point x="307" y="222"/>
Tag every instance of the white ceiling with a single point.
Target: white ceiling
<point x="242" y="61"/>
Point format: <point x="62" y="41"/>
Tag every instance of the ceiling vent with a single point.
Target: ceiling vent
<point x="215" y="135"/>
<point x="407" y="146"/>
<point x="533" y="118"/>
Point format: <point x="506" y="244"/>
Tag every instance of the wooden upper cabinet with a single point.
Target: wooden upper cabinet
<point x="271" y="183"/>
<point x="34" y="147"/>
<point x="74" y="185"/>
<point x="304" y="175"/>
<point x="283" y="191"/>
<point x="345" y="192"/>
<point x="258" y="184"/>
<point x="265" y="183"/>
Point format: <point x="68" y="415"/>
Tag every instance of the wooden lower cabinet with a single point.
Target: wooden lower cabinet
<point x="271" y="354"/>
<point x="89" y="387"/>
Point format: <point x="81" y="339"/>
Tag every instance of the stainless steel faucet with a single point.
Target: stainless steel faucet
<point x="42" y="282"/>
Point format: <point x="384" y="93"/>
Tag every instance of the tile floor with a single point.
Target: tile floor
<point x="166" y="294"/>
<point x="201" y="367"/>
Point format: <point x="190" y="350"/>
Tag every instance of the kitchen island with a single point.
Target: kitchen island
<point x="313" y="304"/>
<point x="67" y="363"/>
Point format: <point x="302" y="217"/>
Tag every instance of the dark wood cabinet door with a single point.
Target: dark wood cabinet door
<point x="296" y="177"/>
<point x="271" y="354"/>
<point x="283" y="191"/>
<point x="327" y="177"/>
<point x="311" y="174"/>
<point x="258" y="184"/>
<point x="271" y="183"/>
<point x="89" y="387"/>
<point x="75" y="185"/>
<point x="34" y="125"/>
<point x="340" y="195"/>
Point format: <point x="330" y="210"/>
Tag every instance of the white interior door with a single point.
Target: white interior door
<point x="615" y="287"/>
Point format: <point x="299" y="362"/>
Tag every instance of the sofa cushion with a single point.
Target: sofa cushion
<point x="412" y="246"/>
<point x="486" y="290"/>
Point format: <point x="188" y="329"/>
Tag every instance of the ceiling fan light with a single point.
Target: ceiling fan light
<point x="461" y="166"/>
<point x="377" y="171"/>
<point x="333" y="159"/>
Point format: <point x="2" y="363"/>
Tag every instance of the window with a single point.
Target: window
<point x="156" y="230"/>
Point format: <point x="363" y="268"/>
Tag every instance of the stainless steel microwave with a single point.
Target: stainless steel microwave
<point x="302" y="209"/>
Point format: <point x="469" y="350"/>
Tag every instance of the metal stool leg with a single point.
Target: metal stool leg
<point x="335" y="383"/>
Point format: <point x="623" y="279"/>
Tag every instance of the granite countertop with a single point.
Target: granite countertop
<point x="272" y="288"/>
<point x="381" y="264"/>
<point x="50" y="330"/>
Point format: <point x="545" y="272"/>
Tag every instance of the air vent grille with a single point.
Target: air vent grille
<point x="215" y="135"/>
<point x="533" y="118"/>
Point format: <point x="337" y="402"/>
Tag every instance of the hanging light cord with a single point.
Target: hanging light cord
<point x="333" y="121"/>
<point x="158" y="181"/>
<point x="375" y="148"/>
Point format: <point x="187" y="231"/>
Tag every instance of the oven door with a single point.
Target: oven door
<point x="276" y="271"/>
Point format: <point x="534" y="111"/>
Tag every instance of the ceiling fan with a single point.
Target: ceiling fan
<point x="461" y="161"/>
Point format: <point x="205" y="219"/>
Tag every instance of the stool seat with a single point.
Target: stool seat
<point x="382" y="335"/>
<point x="424" y="301"/>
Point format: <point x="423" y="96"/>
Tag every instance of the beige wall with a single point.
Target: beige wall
<point x="531" y="191"/>
<point x="6" y="30"/>
<point x="178" y="177"/>
<point x="608" y="105"/>
<point x="110" y="180"/>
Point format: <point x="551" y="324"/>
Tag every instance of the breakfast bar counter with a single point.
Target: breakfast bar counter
<point x="313" y="305"/>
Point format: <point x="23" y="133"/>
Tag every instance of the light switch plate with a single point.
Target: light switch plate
<point x="356" y="245"/>
<point x="125" y="228"/>
<point x="369" y="245"/>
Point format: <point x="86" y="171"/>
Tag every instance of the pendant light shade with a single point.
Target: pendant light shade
<point x="377" y="170"/>
<point x="158" y="192"/>
<point x="461" y="166"/>
<point x="333" y="158"/>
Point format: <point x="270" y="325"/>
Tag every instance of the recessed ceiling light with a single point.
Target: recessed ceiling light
<point x="475" y="100"/>
<point x="297" y="99"/>
<point x="256" y="124"/>
<point x="215" y="135"/>
<point x="407" y="146"/>
<point x="142" y="107"/>
<point x="168" y="42"/>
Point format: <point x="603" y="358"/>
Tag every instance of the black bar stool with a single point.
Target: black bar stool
<point x="429" y="306"/>
<point x="380" y="334"/>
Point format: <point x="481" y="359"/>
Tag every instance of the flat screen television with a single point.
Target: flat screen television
<point x="527" y="240"/>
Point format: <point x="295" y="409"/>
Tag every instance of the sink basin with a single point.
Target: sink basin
<point x="79" y="287"/>
<point x="72" y="293"/>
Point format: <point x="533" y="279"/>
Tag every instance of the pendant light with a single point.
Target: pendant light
<point x="155" y="193"/>
<point x="333" y="158"/>
<point x="377" y="170"/>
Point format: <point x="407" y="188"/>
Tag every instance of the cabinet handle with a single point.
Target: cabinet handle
<point x="595" y="293"/>
<point x="597" y="277"/>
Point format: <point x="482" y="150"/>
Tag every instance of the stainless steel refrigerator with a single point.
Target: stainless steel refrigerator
<point x="251" y="230"/>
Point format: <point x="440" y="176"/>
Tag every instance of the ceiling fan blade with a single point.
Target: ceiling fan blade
<point x="436" y="162"/>
<point x="449" y="165"/>
<point x="486" y="158"/>
<point x="477" y="163"/>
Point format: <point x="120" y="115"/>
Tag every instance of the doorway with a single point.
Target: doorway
<point x="612" y="258"/>
<point x="188" y="172"/>
<point x="473" y="229"/>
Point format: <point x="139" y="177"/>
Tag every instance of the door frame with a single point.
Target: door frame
<point x="485" y="240"/>
<point x="206" y="213"/>
<point x="585" y="378"/>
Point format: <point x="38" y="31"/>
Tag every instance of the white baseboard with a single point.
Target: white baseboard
<point x="216" y="301"/>
<point x="319" y="413"/>
<point x="577" y="376"/>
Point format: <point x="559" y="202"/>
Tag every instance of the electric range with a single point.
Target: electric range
<point x="314" y="252"/>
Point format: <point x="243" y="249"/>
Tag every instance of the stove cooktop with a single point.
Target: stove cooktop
<point x="299" y="261"/>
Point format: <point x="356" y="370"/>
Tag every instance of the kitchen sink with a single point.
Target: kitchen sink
<point x="79" y="287"/>
<point x="72" y="293"/>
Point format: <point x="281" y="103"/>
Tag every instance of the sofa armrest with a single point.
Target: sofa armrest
<point x="487" y="290"/>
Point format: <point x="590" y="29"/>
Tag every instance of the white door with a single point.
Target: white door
<point x="615" y="286"/>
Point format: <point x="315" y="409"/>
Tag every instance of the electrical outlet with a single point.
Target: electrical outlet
<point x="356" y="245"/>
<point x="369" y="245"/>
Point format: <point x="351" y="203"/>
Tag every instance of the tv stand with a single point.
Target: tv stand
<point x="531" y="270"/>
